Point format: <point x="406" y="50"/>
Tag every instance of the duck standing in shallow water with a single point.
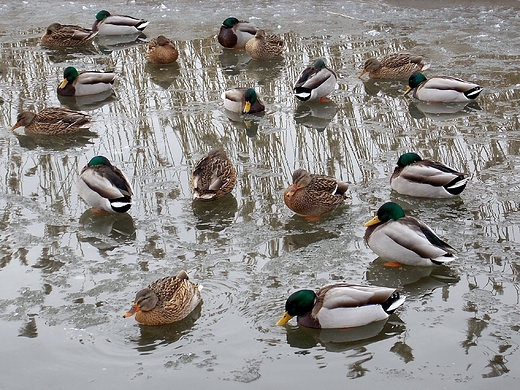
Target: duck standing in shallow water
<point x="162" y="50"/>
<point x="264" y="46"/>
<point x="243" y="101"/>
<point x="341" y="305"/>
<point x="166" y="300"/>
<point x="66" y="35"/>
<point x="52" y="121"/>
<point x="394" y="66"/>
<point x="213" y="176"/>
<point x="108" y="24"/>
<point x="312" y="195"/>
<point x="405" y="240"/>
<point x="234" y="33"/>
<point x="414" y="176"/>
<point x="85" y="83"/>
<point x="315" y="82"/>
<point x="442" y="89"/>
<point x="104" y="187"/>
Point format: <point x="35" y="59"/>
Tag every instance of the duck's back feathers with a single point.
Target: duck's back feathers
<point x="109" y="24"/>
<point x="315" y="82"/>
<point x="264" y="46"/>
<point x="66" y="35"/>
<point x="162" y="50"/>
<point x="213" y="176"/>
<point x="395" y="65"/>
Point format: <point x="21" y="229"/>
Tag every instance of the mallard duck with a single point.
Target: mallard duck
<point x="162" y="50"/>
<point x="108" y="24"/>
<point x="315" y="82"/>
<point x="263" y="46"/>
<point x="213" y="176"/>
<point x="234" y="33"/>
<point x="394" y="66"/>
<point x="341" y="305"/>
<point x="104" y="187"/>
<point x="243" y="101"/>
<point x="65" y="35"/>
<point x="312" y="195"/>
<point x="415" y="176"/>
<point x="405" y="240"/>
<point x="85" y="83"/>
<point x="442" y="89"/>
<point x="166" y="300"/>
<point x="52" y="121"/>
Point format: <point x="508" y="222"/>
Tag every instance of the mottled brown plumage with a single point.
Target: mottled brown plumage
<point x="264" y="47"/>
<point x="66" y="35"/>
<point x="314" y="195"/>
<point x="213" y="176"/>
<point x="395" y="65"/>
<point x="162" y="50"/>
<point x="52" y="121"/>
<point x="166" y="300"/>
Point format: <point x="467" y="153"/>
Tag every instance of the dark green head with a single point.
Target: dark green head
<point x="102" y="15"/>
<point x="300" y="302"/>
<point x="250" y="95"/>
<point x="230" y="22"/>
<point x="408" y="159"/>
<point x="416" y="79"/>
<point x="99" y="160"/>
<point x="319" y="64"/>
<point x="390" y="211"/>
<point x="70" y="73"/>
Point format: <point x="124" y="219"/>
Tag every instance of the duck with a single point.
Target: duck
<point x="234" y="33"/>
<point x="104" y="187"/>
<point x="315" y="82"/>
<point x="312" y="195"/>
<point x="442" y="89"/>
<point x="52" y="121"/>
<point x="243" y="101"/>
<point x="85" y="83"/>
<point x="394" y="66"/>
<point x="263" y="46"/>
<point x="213" y="176"/>
<point x="414" y="176"/>
<point x="66" y="35"/>
<point x="162" y="50"/>
<point x="405" y="240"/>
<point x="165" y="301"/>
<point x="341" y="305"/>
<point x="109" y="24"/>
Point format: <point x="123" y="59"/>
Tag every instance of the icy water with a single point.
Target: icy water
<point x="67" y="275"/>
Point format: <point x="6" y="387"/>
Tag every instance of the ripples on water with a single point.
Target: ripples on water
<point x="68" y="275"/>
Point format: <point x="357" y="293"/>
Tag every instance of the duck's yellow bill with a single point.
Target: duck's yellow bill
<point x="407" y="90"/>
<point x="286" y="317"/>
<point x="373" y="221"/>
<point x="63" y="83"/>
<point x="247" y="107"/>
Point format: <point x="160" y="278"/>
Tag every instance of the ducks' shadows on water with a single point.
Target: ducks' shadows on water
<point x="248" y="122"/>
<point x="56" y="142"/>
<point x="163" y="75"/>
<point x="215" y="215"/>
<point x="118" y="226"/>
<point x="87" y="103"/>
<point x="442" y="111"/>
<point x="315" y="115"/>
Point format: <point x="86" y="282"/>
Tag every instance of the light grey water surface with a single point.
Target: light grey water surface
<point x="67" y="276"/>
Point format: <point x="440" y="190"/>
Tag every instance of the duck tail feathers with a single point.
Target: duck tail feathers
<point x="392" y="303"/>
<point x="473" y="92"/>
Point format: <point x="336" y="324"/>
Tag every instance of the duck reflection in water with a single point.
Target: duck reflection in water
<point x="442" y="111"/>
<point x="114" y="225"/>
<point x="315" y="115"/>
<point x="88" y="103"/>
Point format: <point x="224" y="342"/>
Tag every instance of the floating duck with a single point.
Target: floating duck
<point x="166" y="300"/>
<point x="52" y="121"/>
<point x="162" y="50"/>
<point x="341" y="305"/>
<point x="66" y="35"/>
<point x="405" y="240"/>
<point x="442" y="89"/>
<point x="394" y="66"/>
<point x="414" y="176"/>
<point x="316" y="82"/>
<point x="213" y="176"/>
<point x="243" y="101"/>
<point x="108" y="24"/>
<point x="312" y="195"/>
<point x="85" y="83"/>
<point x="264" y="46"/>
<point x="104" y="187"/>
<point x="234" y="33"/>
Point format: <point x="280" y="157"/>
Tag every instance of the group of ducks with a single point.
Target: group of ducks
<point x="390" y="234"/>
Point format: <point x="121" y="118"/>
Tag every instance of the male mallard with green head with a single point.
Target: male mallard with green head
<point x="243" y="101"/>
<point x="104" y="187"/>
<point x="405" y="240"/>
<point x="341" y="305"/>
<point x="85" y="83"/>
<point x="442" y="89"/>
<point x="315" y="82"/>
<point x="234" y="33"/>
<point x="109" y="24"/>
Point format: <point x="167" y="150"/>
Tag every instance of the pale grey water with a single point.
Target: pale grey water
<point x="66" y="276"/>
